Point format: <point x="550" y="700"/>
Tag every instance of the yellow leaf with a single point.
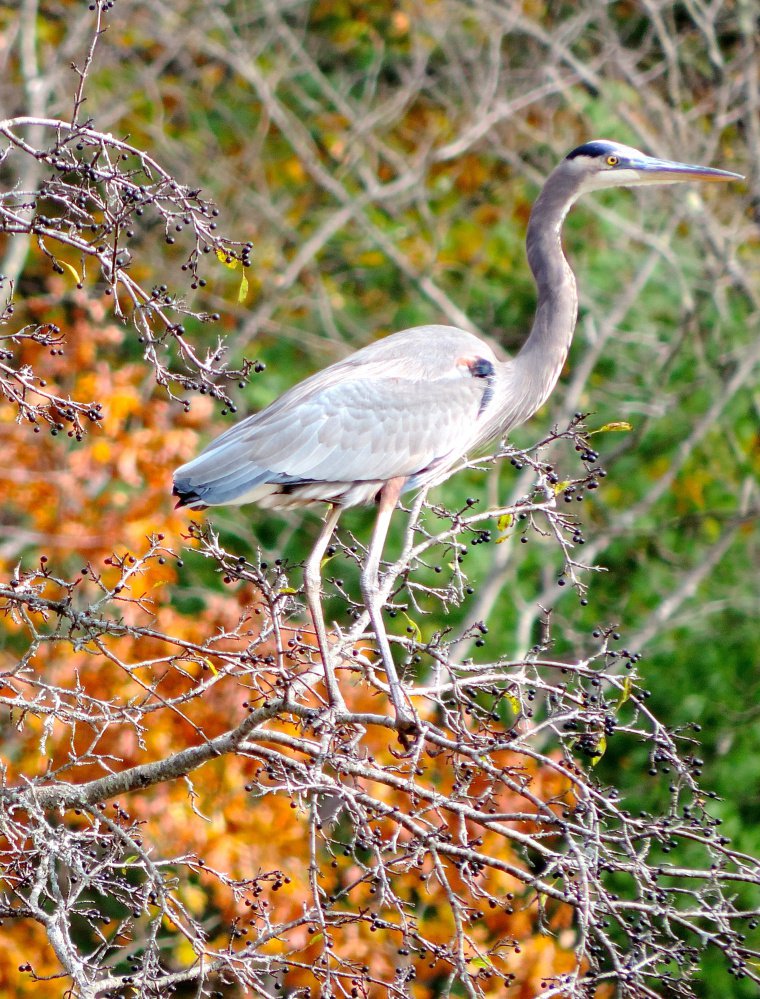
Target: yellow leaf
<point x="618" y="426"/>
<point x="506" y="520"/>
<point x="123" y="403"/>
<point x="601" y="748"/>
<point x="561" y="487"/>
<point x="211" y="666"/>
<point x="101" y="451"/>
<point x="288" y="589"/>
<point x="514" y="703"/>
<point x="243" y="289"/>
<point x="72" y="270"/>
<point x="625" y="693"/>
<point x="293" y="169"/>
<point x="371" y="258"/>
<point x="194" y="898"/>
<point x="185" y="952"/>
<point x="226" y="260"/>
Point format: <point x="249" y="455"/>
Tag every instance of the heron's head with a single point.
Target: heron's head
<point x="601" y="164"/>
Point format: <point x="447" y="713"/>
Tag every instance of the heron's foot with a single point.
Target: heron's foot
<point x="332" y="687"/>
<point x="407" y="726"/>
<point x="326" y="720"/>
<point x="407" y="723"/>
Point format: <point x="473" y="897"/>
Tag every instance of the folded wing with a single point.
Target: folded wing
<point x="362" y="421"/>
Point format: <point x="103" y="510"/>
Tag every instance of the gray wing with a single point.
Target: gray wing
<point x="375" y="416"/>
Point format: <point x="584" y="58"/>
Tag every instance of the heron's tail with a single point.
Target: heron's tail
<point x="187" y="497"/>
<point x="221" y="477"/>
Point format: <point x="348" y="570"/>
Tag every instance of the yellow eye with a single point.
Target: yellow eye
<point x="612" y="160"/>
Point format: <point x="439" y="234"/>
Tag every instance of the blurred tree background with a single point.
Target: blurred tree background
<point x="382" y="159"/>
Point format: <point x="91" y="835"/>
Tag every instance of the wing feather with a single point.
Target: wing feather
<point x="378" y="415"/>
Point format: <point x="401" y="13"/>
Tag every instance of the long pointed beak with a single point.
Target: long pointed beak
<point x="671" y="172"/>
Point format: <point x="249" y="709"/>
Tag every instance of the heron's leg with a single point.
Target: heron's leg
<point x="312" y="578"/>
<point x="371" y="591"/>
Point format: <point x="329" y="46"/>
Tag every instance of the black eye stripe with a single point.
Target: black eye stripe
<point x="594" y="149"/>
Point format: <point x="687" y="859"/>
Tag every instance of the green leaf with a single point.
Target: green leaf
<point x="416" y="633"/>
<point x="601" y="749"/>
<point x="618" y="426"/>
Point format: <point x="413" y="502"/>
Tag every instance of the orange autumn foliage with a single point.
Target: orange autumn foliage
<point x="92" y="506"/>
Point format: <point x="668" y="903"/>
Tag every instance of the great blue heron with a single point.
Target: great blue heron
<point x="398" y="414"/>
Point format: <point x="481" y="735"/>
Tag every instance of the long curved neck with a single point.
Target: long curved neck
<point x="537" y="366"/>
